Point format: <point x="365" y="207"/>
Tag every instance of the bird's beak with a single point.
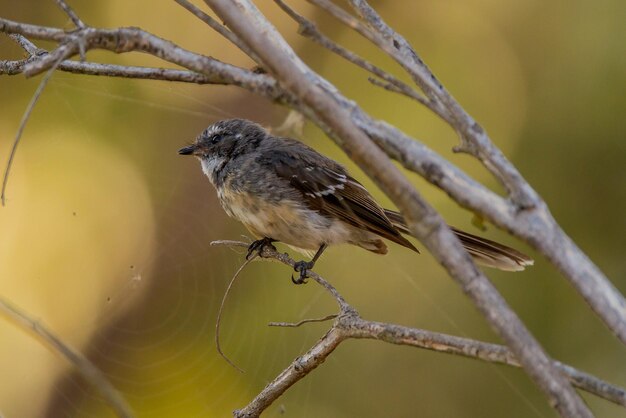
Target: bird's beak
<point x="187" y="150"/>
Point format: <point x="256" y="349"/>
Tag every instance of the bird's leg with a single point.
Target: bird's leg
<point x="303" y="267"/>
<point x="258" y="245"/>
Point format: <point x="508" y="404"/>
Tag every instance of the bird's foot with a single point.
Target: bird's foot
<point x="258" y="246"/>
<point x="302" y="267"/>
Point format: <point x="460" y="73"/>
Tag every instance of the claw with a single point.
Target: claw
<point x="299" y="280"/>
<point x="301" y="267"/>
<point x="258" y="245"/>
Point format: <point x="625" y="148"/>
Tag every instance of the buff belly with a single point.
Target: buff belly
<point x="289" y="222"/>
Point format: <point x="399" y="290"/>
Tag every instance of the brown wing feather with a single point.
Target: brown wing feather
<point x="326" y="187"/>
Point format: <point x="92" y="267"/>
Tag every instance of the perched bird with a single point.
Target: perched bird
<point x="283" y="190"/>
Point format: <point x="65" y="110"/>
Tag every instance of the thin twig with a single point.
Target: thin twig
<point x="302" y="322"/>
<point x="268" y="253"/>
<point x="70" y="13"/>
<point x="310" y="31"/>
<point x="120" y="71"/>
<point x="219" y="28"/>
<point x="382" y="40"/>
<point x="107" y="70"/>
<point x="20" y="129"/>
<point x="85" y="367"/>
<point x="387" y="86"/>
<point x="218" y="321"/>
<point x="23" y="42"/>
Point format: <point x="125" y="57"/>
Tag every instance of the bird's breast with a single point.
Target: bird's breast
<point x="287" y="221"/>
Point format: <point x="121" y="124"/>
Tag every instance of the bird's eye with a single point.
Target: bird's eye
<point x="216" y="138"/>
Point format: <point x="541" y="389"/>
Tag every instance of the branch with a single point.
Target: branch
<point x="348" y="324"/>
<point x="85" y="367"/>
<point x="112" y="70"/>
<point x="219" y="28"/>
<point x="70" y="13"/>
<point x="267" y="252"/>
<point x="123" y="40"/>
<point x="249" y="24"/>
<point x="302" y="322"/>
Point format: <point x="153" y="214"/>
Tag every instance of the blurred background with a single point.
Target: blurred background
<point x="106" y="234"/>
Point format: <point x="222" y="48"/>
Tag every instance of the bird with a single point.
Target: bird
<point x="284" y="191"/>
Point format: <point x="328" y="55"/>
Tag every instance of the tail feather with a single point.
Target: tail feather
<point x="486" y="252"/>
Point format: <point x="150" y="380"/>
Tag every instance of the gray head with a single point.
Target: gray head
<point x="224" y="141"/>
<point x="224" y="138"/>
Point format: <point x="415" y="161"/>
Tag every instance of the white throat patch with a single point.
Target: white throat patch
<point x="210" y="165"/>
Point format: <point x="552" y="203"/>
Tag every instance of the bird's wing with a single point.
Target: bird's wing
<point x="326" y="187"/>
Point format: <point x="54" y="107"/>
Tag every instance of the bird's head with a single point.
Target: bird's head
<point x="224" y="141"/>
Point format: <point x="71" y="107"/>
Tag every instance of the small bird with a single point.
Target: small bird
<point x="284" y="191"/>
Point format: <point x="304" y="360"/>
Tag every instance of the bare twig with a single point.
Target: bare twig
<point x="113" y="70"/>
<point x="70" y="13"/>
<point x="85" y="367"/>
<point x="218" y="321"/>
<point x="219" y="28"/>
<point x="26" y="45"/>
<point x="349" y="324"/>
<point x="20" y="129"/>
<point x="284" y="258"/>
<point x="309" y="30"/>
<point x="108" y="70"/>
<point x="11" y="67"/>
<point x="302" y="322"/>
